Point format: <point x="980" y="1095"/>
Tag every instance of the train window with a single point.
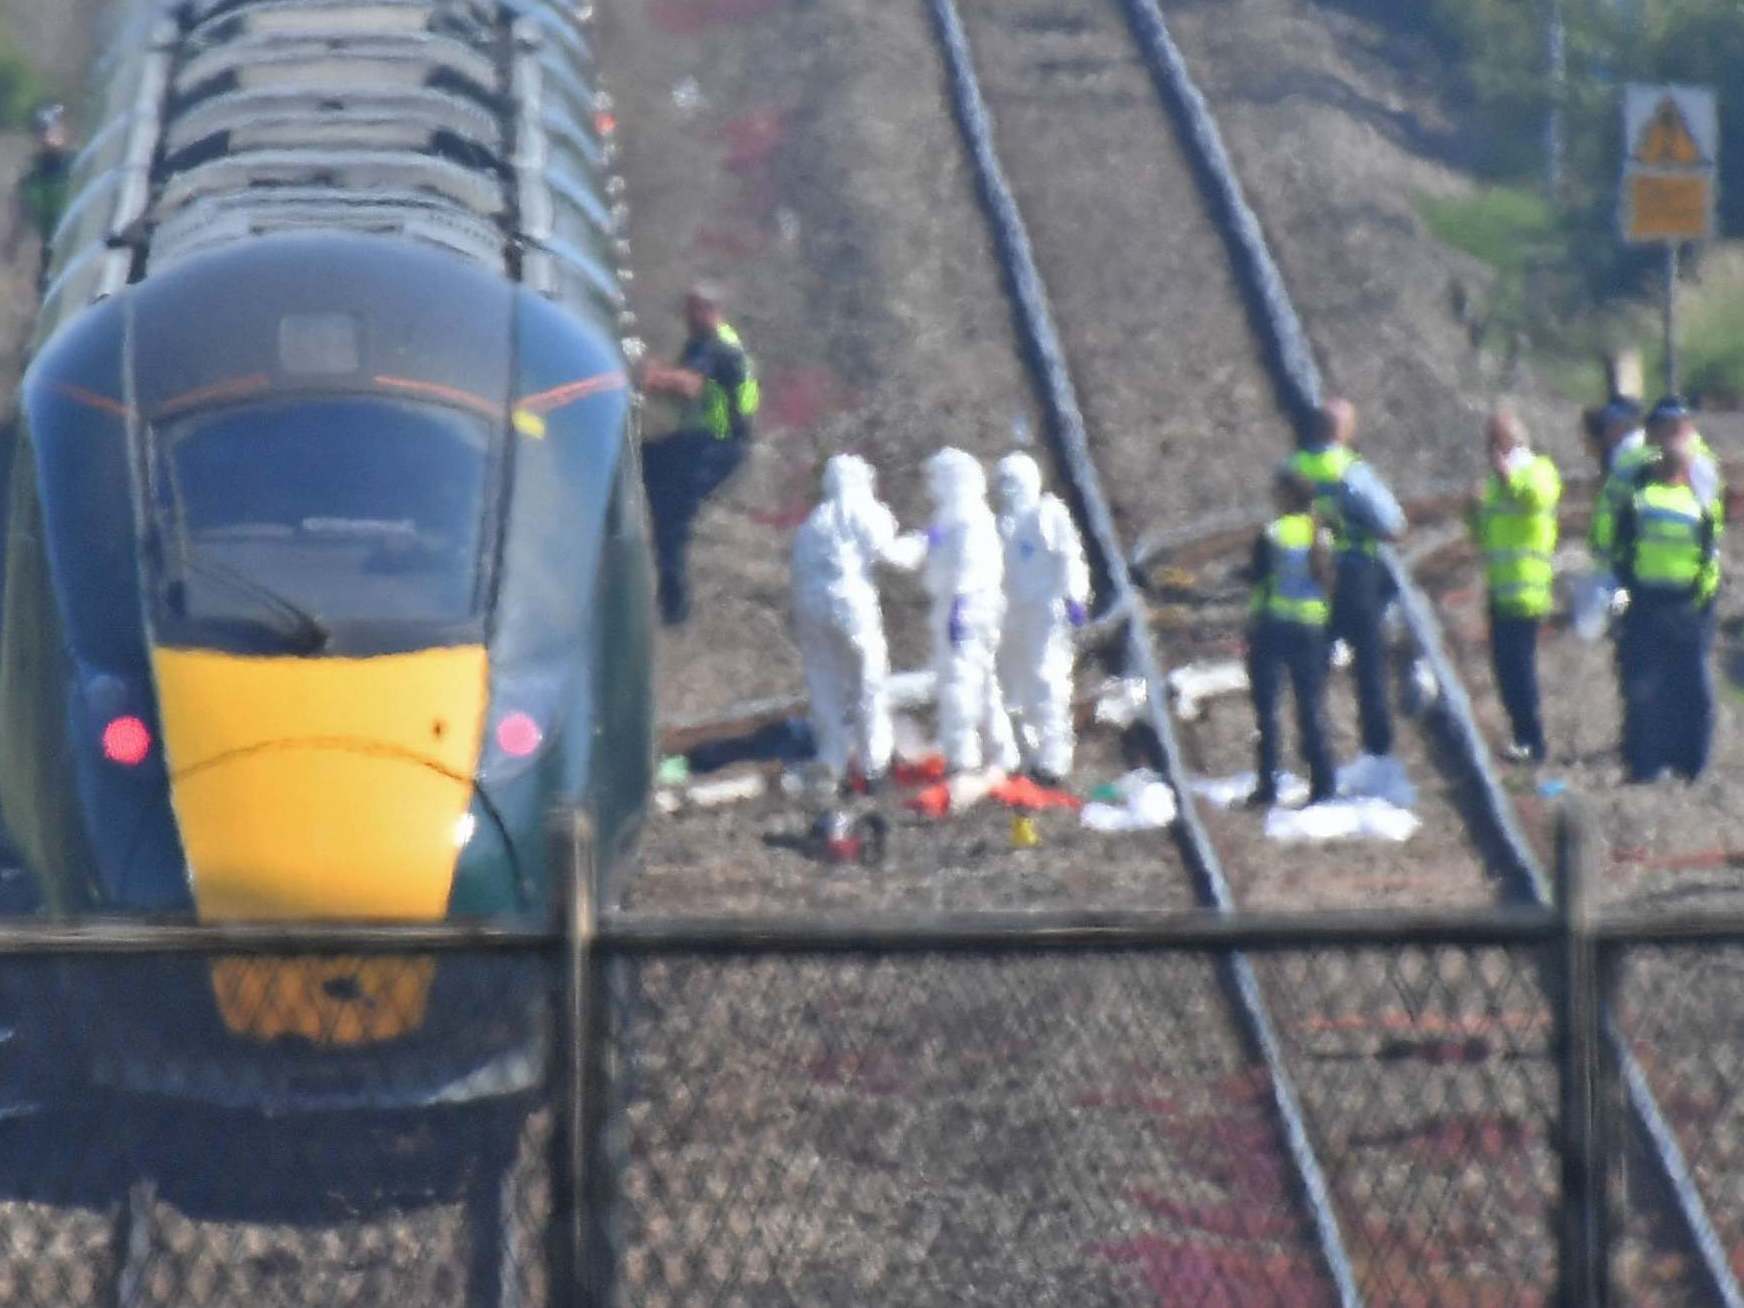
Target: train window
<point x="297" y="518"/>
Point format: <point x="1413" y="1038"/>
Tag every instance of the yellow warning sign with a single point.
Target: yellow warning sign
<point x="1670" y="180"/>
<point x="1669" y="206"/>
<point x="1667" y="142"/>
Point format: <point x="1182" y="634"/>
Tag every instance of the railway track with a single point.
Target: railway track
<point x="850" y="1069"/>
<point x="1485" y="810"/>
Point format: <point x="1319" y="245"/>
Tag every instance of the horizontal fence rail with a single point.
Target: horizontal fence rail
<point x="824" y="1110"/>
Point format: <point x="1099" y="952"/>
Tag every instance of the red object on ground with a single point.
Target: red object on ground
<point x="933" y="802"/>
<point x="1021" y="792"/>
<point x="922" y="772"/>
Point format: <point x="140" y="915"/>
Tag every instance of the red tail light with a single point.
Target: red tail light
<point x="127" y="741"/>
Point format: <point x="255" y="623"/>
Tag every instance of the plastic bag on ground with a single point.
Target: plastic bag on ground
<point x="1197" y="683"/>
<point x="954" y="794"/>
<point x="1120" y="700"/>
<point x="1342" y="819"/>
<point x="1148" y="804"/>
<point x="1227" y="792"/>
<point x="1589" y="604"/>
<point x="1021" y="792"/>
<point x="1377" y="776"/>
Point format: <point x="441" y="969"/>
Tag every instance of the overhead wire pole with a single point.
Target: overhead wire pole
<point x="1556" y="72"/>
<point x="1671" y="387"/>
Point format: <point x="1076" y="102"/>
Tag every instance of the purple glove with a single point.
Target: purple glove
<point x="935" y="537"/>
<point x="955" y="627"/>
<point x="1075" y="613"/>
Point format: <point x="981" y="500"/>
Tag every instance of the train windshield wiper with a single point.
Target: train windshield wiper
<point x="307" y="632"/>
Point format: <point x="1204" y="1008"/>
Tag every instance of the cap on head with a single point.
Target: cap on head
<point x="1671" y="408"/>
<point x="846" y="475"/>
<point x="1668" y="417"/>
<point x="1018" y="479"/>
<point x="952" y="475"/>
<point x="1620" y="416"/>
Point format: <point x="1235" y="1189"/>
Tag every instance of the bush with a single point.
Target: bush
<point x="21" y="86"/>
<point x="1505" y="226"/>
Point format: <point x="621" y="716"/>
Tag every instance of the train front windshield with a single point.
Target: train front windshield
<point x="297" y="520"/>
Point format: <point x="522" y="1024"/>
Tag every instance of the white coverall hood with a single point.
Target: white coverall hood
<point x="956" y="481"/>
<point x="848" y="477"/>
<point x="1017" y="480"/>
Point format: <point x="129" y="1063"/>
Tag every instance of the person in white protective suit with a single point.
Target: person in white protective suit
<point x="964" y="571"/>
<point x="1047" y="585"/>
<point x="837" y="620"/>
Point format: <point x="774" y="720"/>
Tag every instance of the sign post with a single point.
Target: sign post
<point x="1671" y="135"/>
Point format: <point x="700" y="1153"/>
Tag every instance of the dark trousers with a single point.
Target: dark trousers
<point x="1514" y="655"/>
<point x="681" y="472"/>
<point x="1668" y="686"/>
<point x="1298" y="650"/>
<point x="1358" y="600"/>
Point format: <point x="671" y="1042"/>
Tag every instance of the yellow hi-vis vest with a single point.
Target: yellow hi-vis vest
<point x="1324" y="469"/>
<point x="715" y="408"/>
<point x="1516" y="528"/>
<point x="1288" y="592"/>
<point x="1628" y="475"/>
<point x="1675" y="547"/>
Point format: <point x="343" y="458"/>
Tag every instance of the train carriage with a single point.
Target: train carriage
<point x="326" y="576"/>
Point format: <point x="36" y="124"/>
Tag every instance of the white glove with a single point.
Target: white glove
<point x="1516" y="461"/>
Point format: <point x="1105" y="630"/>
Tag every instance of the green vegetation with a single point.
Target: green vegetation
<point x="1711" y="352"/>
<point x="1563" y="283"/>
<point x="21" y="86"/>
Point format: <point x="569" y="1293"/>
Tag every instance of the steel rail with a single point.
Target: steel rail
<point x="1071" y="447"/>
<point x="1298" y="377"/>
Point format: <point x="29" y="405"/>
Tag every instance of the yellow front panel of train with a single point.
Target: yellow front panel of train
<point x="322" y="788"/>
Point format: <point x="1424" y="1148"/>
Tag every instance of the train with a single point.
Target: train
<point x="326" y="579"/>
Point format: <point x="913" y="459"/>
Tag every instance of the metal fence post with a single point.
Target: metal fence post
<point x="582" y="1248"/>
<point x="1584" y="1282"/>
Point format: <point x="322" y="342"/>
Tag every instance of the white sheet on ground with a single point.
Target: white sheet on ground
<point x="1342" y="819"/>
<point x="1148" y="804"/>
<point x="1374" y="802"/>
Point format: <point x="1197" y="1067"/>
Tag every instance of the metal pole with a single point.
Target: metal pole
<point x="1671" y="317"/>
<point x="1556" y="65"/>
<point x="1583" y="1280"/>
<point x="581" y="1273"/>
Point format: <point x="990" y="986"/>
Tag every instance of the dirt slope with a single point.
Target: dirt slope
<point x="1336" y="129"/>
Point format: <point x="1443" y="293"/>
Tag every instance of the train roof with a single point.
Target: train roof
<point x="463" y="127"/>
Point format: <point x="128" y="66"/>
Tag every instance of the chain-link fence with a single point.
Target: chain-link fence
<point x="182" y="1124"/>
<point x="990" y="1110"/>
